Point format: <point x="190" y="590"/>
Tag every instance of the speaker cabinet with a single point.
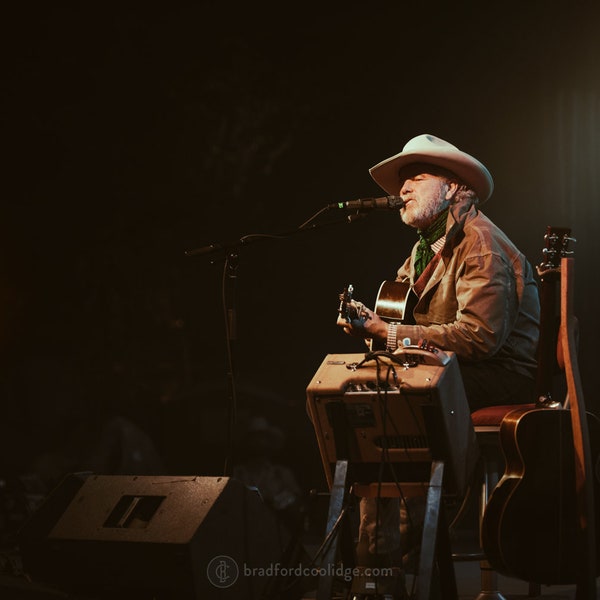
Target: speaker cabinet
<point x="391" y="430"/>
<point x="154" y="537"/>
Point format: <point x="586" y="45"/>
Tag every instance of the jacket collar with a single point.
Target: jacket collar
<point x="458" y="215"/>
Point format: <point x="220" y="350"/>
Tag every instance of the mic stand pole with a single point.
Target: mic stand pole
<point x="229" y="305"/>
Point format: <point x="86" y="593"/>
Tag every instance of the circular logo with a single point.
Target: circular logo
<point x="222" y="571"/>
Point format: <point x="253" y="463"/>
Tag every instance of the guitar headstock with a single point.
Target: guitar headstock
<point x="346" y="308"/>
<point x="557" y="240"/>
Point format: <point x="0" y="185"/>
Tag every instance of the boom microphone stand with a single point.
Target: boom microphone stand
<point x="229" y="252"/>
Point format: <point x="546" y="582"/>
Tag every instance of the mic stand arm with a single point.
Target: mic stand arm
<point x="232" y="247"/>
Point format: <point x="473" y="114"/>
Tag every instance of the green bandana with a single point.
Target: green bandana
<point x="433" y="233"/>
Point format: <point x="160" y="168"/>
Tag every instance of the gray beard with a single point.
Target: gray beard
<point x="426" y="215"/>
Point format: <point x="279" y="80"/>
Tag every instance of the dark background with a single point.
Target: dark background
<point x="133" y="133"/>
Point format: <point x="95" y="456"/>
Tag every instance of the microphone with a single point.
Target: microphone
<point x="384" y="203"/>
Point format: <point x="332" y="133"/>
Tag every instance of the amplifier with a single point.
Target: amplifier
<point x="391" y="421"/>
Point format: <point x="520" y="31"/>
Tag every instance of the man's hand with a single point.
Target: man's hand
<point x="364" y="323"/>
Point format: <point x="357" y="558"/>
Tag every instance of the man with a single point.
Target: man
<point x="474" y="294"/>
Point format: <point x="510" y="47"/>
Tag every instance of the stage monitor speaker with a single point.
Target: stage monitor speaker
<point x="154" y="537"/>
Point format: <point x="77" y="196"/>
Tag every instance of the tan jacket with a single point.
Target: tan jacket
<point x="482" y="299"/>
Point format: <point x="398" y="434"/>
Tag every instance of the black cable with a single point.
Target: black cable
<point x="378" y="357"/>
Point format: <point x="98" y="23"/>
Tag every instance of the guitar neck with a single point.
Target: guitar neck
<point x="584" y="473"/>
<point x="546" y="353"/>
<point x="556" y="244"/>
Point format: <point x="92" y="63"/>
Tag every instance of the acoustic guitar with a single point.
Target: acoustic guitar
<point x="394" y="304"/>
<point x="534" y="525"/>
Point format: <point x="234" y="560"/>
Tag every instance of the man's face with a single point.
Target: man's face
<point x="426" y="195"/>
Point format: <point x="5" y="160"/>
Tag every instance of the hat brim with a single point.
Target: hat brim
<point x="467" y="168"/>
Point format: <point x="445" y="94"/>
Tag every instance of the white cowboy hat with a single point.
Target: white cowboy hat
<point x="434" y="151"/>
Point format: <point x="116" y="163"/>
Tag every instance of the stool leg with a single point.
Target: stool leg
<point x="489" y="577"/>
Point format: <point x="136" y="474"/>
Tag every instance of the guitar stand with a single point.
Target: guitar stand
<point x="435" y="541"/>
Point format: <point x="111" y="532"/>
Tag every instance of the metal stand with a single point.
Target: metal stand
<point x="435" y="542"/>
<point x="335" y="516"/>
<point x="489" y="577"/>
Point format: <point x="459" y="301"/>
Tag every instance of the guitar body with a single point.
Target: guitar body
<point x="530" y="527"/>
<point x="394" y="304"/>
<point x="393" y="301"/>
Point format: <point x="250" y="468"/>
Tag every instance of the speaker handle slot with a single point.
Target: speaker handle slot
<point x="133" y="512"/>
